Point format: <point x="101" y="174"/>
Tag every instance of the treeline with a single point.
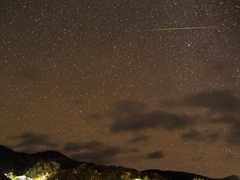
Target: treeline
<point x="86" y="171"/>
<point x="100" y="172"/>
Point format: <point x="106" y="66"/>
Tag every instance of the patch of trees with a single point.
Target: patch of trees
<point x="99" y="172"/>
<point x="42" y="169"/>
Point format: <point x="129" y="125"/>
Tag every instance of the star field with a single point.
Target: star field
<point x="124" y="82"/>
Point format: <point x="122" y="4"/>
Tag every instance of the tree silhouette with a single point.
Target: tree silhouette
<point x="42" y="169"/>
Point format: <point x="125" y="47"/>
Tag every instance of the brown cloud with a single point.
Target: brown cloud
<point x="155" y="155"/>
<point x="197" y="136"/>
<point x="30" y="141"/>
<point x="93" y="151"/>
<point x="133" y="116"/>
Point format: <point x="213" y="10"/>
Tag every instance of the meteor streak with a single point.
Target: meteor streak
<point x="183" y="28"/>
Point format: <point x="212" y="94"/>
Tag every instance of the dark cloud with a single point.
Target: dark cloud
<point x="71" y="147"/>
<point x="128" y="106"/>
<point x="212" y="137"/>
<point x="226" y="119"/>
<point x="105" y="154"/>
<point x="223" y="109"/>
<point x="220" y="101"/>
<point x="133" y="116"/>
<point x="140" y="138"/>
<point x="136" y="121"/>
<point x="168" y="103"/>
<point x="30" y="141"/>
<point x="197" y="136"/>
<point x="192" y="135"/>
<point x="92" y="151"/>
<point x="217" y="101"/>
<point x="134" y="150"/>
<point x="155" y="155"/>
<point x="94" y="116"/>
<point x="233" y="137"/>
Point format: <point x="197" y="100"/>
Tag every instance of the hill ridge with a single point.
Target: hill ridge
<point x="21" y="162"/>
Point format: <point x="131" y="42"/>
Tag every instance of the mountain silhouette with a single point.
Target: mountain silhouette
<point x="231" y="178"/>
<point x="175" y="175"/>
<point x="19" y="163"/>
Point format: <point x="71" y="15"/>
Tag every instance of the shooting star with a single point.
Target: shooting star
<point x="184" y="28"/>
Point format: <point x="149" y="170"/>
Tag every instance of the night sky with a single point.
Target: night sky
<point x="146" y="84"/>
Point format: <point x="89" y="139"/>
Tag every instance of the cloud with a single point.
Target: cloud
<point x="93" y="151"/>
<point x="196" y="136"/>
<point x="31" y="141"/>
<point x="134" y="150"/>
<point x="155" y="155"/>
<point x="140" y="138"/>
<point x="128" y="106"/>
<point x="192" y="135"/>
<point x="102" y="156"/>
<point x="94" y="116"/>
<point x="233" y="137"/>
<point x="218" y="101"/>
<point x="223" y="108"/>
<point x="228" y="119"/>
<point x="133" y="116"/>
<point x="71" y="147"/>
<point x="136" y="122"/>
